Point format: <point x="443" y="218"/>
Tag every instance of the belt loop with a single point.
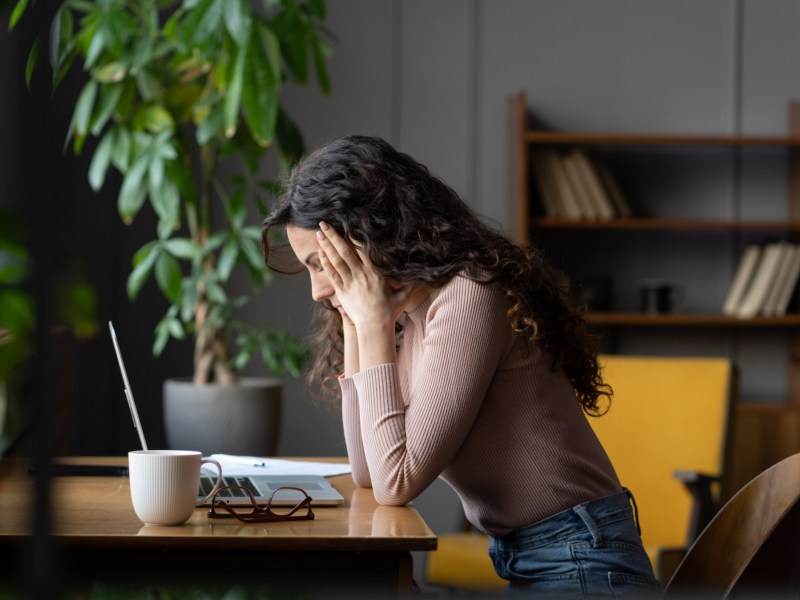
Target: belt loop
<point x="635" y="509"/>
<point x="581" y="511"/>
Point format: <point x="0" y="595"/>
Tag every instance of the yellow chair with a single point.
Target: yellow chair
<point x="667" y="424"/>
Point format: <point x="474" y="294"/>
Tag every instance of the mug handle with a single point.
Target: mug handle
<point x="216" y="485"/>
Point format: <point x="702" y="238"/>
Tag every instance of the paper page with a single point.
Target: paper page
<point x="237" y="465"/>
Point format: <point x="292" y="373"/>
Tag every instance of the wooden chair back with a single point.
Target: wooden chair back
<point x="752" y="546"/>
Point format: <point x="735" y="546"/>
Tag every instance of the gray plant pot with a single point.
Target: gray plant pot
<point x="230" y="419"/>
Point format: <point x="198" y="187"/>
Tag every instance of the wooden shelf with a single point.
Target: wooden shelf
<point x="684" y="319"/>
<point x="576" y="138"/>
<point x="666" y="224"/>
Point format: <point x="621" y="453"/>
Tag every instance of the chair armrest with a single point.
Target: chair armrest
<point x="705" y="505"/>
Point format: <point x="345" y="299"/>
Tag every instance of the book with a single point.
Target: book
<point x="579" y="184"/>
<point x="781" y="281"/>
<point x="789" y="284"/>
<point x="548" y="193"/>
<point x="618" y="201"/>
<point x="741" y="279"/>
<point x="593" y="185"/>
<point x="764" y="278"/>
<point x="570" y="207"/>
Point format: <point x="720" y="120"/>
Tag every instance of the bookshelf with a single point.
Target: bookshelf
<point x="764" y="432"/>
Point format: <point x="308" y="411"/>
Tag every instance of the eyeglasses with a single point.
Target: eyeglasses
<point x="255" y="514"/>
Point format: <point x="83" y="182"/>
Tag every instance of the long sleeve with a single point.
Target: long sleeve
<point x="408" y="441"/>
<point x="352" y="433"/>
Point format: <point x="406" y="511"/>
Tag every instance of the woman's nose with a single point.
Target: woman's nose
<point x="321" y="287"/>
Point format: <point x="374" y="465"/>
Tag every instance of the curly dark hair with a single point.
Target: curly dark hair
<point x="417" y="230"/>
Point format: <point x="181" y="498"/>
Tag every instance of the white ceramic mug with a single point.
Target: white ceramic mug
<point x="165" y="484"/>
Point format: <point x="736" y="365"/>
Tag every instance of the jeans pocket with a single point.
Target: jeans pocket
<point x="625" y="585"/>
<point x="560" y="586"/>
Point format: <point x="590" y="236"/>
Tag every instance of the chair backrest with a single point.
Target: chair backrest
<point x="666" y="414"/>
<point x="752" y="546"/>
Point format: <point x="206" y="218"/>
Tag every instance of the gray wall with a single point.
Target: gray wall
<point x="434" y="77"/>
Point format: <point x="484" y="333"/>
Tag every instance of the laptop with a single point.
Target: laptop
<point x="320" y="490"/>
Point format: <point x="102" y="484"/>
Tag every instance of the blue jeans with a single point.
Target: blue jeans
<point x="593" y="549"/>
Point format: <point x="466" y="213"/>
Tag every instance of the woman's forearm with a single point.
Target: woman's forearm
<point x="351" y="365"/>
<point x="376" y="345"/>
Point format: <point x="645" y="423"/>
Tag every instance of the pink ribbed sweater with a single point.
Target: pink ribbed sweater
<point x="467" y="401"/>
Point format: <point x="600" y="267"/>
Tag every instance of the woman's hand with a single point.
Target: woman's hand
<point x="367" y="298"/>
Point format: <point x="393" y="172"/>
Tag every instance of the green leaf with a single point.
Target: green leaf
<point x="109" y="97"/>
<point x="252" y="252"/>
<point x="236" y="209"/>
<point x="227" y="259"/>
<point x="162" y="337"/>
<point x="17" y="13"/>
<point x="290" y="140"/>
<point x="148" y="85"/>
<point x="120" y="157"/>
<point x="13" y="264"/>
<point x="183" y="248"/>
<point x="17" y="314"/>
<point x="189" y="298"/>
<point x="102" y="159"/>
<point x="96" y="47"/>
<point x="176" y="329"/>
<point x="33" y="60"/>
<point x="238" y="20"/>
<point x="252" y="232"/>
<point x="128" y="99"/>
<point x="166" y="203"/>
<point x="83" y="108"/>
<point x="110" y="72"/>
<point x="270" y="358"/>
<point x="203" y="22"/>
<point x="233" y="96"/>
<point x="215" y="292"/>
<point x="168" y="327"/>
<point x="294" y="44"/>
<point x="55" y="39"/>
<point x="132" y="193"/>
<point x="168" y="277"/>
<point x="320" y="51"/>
<point x="317" y="8"/>
<point x="155" y="172"/>
<point x="143" y="266"/>
<point x="215" y="241"/>
<point x="210" y="126"/>
<point x="260" y="96"/>
<point x="272" y="49"/>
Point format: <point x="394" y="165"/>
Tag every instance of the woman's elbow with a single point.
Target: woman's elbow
<point x="362" y="479"/>
<point x="390" y="497"/>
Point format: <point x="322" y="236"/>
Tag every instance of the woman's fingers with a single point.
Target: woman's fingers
<point x="337" y="247"/>
<point x="331" y="260"/>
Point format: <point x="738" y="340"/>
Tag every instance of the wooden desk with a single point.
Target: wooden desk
<point x="361" y="546"/>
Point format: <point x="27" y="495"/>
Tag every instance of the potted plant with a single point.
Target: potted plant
<point x="184" y="98"/>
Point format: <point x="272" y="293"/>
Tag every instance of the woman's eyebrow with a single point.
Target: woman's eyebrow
<point x="309" y="258"/>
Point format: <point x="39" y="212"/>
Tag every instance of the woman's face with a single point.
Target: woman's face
<point x="306" y="248"/>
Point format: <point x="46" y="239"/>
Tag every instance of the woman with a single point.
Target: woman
<point x="459" y="354"/>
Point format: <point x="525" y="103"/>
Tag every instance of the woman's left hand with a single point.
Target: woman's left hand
<point x="366" y="297"/>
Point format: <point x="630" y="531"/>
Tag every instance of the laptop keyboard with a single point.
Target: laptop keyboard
<point x="207" y="484"/>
